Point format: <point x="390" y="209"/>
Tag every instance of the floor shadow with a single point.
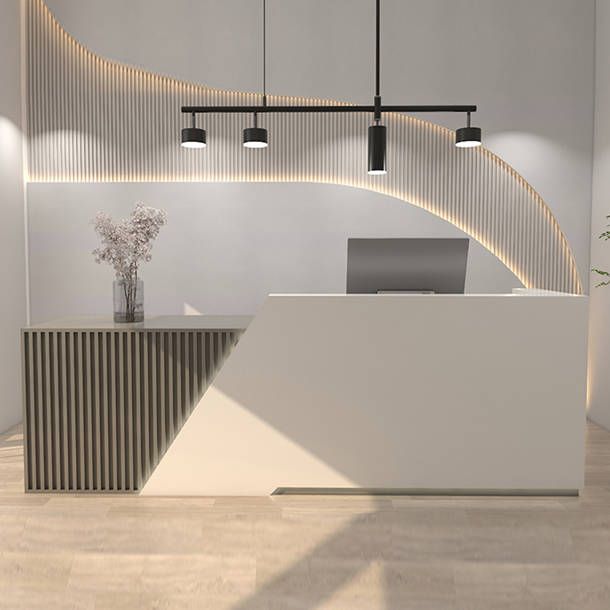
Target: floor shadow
<point x="324" y="570"/>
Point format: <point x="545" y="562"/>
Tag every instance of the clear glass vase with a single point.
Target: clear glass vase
<point x="128" y="298"/>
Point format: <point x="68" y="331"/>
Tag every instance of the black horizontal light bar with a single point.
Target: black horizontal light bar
<point x="256" y="137"/>
<point x="295" y="109"/>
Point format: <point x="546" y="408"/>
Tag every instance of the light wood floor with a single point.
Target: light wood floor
<point x="305" y="552"/>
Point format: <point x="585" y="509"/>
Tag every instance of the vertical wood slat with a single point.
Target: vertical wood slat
<point x="146" y="418"/>
<point x="169" y="386"/>
<point x="187" y="359"/>
<point x="163" y="406"/>
<point x="178" y="380"/>
<point x="97" y="416"/>
<point x="193" y="366"/>
<point x="113" y="416"/>
<point x="88" y="449"/>
<point x="48" y="418"/>
<point x="39" y="413"/>
<point x="200" y="360"/>
<point x="56" y="411"/>
<point x="129" y="424"/>
<point x="80" y="412"/>
<point x="154" y="398"/>
<point x="29" y="462"/>
<point x="63" y="405"/>
<point x="71" y="403"/>
<point x="137" y="449"/>
<point x="105" y="411"/>
<point x="102" y="407"/>
<point x="121" y="460"/>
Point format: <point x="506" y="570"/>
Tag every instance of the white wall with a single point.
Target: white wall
<point x="599" y="317"/>
<point x="226" y="246"/>
<point x="12" y="268"/>
<point x="528" y="64"/>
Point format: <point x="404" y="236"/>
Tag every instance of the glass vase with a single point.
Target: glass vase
<point x="128" y="298"/>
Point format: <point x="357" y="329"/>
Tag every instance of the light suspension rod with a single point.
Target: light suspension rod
<point x="264" y="52"/>
<point x="377" y="48"/>
<point x="377" y="98"/>
<point x="314" y="109"/>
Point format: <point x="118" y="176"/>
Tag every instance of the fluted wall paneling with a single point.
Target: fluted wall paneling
<point x="94" y="120"/>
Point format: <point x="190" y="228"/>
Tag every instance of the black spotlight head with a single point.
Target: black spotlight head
<point x="377" y="141"/>
<point x="468" y="137"/>
<point x="255" y="137"/>
<point x="193" y="137"/>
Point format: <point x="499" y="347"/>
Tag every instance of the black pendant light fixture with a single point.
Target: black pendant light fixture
<point x="256" y="137"/>
<point x="468" y="137"/>
<point x="377" y="142"/>
<point x="377" y="131"/>
<point x="193" y="137"/>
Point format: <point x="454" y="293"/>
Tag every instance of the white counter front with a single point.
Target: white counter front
<point x="473" y="393"/>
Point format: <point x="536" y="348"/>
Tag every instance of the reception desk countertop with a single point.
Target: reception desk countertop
<point x="153" y="323"/>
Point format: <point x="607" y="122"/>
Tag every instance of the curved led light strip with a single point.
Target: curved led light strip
<point x="96" y="120"/>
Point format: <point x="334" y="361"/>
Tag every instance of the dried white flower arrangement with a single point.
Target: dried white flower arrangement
<point x="128" y="242"/>
<point x="125" y="245"/>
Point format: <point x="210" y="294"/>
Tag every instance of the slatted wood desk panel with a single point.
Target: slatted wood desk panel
<point x="103" y="402"/>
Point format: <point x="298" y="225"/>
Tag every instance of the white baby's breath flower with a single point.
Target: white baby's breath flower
<point x="128" y="242"/>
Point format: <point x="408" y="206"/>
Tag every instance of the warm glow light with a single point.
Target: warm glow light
<point x="254" y="144"/>
<point x="468" y="144"/>
<point x="10" y="144"/>
<point x="377" y="172"/>
<point x="193" y="144"/>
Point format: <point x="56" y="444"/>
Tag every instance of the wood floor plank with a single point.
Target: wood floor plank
<point x="449" y="553"/>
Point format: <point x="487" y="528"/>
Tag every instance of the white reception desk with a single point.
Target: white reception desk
<point x="421" y="393"/>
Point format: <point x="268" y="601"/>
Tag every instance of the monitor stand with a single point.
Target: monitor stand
<point x="422" y="291"/>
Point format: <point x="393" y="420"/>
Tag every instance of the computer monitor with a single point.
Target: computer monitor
<point x="413" y="265"/>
